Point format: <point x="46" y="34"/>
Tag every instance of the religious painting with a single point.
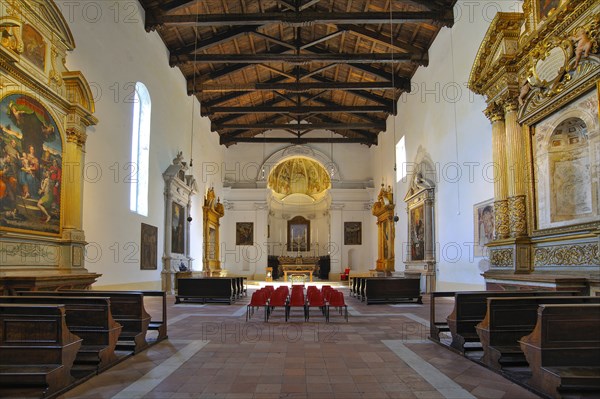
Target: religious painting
<point x="34" y="48"/>
<point x="417" y="233"/>
<point x="298" y="234"/>
<point x="545" y="7"/>
<point x="483" y="224"/>
<point x="149" y="247"/>
<point x="30" y="166"/>
<point x="177" y="229"/>
<point x="352" y="233"/>
<point x="244" y="233"/>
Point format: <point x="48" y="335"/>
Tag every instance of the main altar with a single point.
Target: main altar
<point x="298" y="265"/>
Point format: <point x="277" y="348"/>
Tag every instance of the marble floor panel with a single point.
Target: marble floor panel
<point x="381" y="352"/>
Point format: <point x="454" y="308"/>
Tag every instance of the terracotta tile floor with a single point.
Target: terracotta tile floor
<point x="382" y="352"/>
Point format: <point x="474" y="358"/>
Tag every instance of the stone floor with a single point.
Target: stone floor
<point x="382" y="352"/>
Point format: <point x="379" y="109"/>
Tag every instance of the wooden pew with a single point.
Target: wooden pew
<point x="213" y="289"/>
<point x="160" y="326"/>
<point x="90" y="319"/>
<point x="563" y="350"/>
<point x="127" y="308"/>
<point x="390" y="289"/>
<point x="37" y="349"/>
<point x="509" y="319"/>
<point x="470" y="308"/>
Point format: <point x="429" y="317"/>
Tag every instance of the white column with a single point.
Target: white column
<point x="258" y="260"/>
<point x="336" y="233"/>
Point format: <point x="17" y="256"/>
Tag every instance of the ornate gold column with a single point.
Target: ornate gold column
<point x="516" y="163"/>
<point x="73" y="179"/>
<point x="495" y="114"/>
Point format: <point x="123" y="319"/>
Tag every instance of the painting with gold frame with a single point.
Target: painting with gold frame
<point x="31" y="152"/>
<point x="483" y="226"/>
<point x="546" y="7"/>
<point x="298" y="234"/>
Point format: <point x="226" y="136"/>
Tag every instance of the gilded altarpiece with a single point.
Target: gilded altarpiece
<point x="212" y="211"/>
<point x="179" y="190"/>
<point x="46" y="110"/>
<point x="383" y="210"/>
<point x="539" y="71"/>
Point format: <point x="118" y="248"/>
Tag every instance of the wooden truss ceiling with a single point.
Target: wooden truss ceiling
<point x="260" y="67"/>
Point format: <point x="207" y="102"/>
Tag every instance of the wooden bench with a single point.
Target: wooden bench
<point x="470" y="308"/>
<point x="390" y="289"/>
<point x="37" y="349"/>
<point x="207" y="289"/>
<point x="160" y="326"/>
<point x="90" y="319"/>
<point x="563" y="350"/>
<point x="509" y="319"/>
<point x="127" y="308"/>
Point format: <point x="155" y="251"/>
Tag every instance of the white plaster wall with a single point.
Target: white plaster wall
<point x="113" y="50"/>
<point x="443" y="117"/>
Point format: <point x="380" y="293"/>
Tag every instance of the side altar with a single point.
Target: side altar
<point x="298" y="265"/>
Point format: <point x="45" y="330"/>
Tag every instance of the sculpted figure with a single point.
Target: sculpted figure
<point x="583" y="45"/>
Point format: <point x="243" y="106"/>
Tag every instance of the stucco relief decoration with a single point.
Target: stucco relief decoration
<point x="567" y="255"/>
<point x="501" y="257"/>
<point x="10" y="34"/>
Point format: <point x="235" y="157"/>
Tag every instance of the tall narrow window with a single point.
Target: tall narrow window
<point x="140" y="147"/>
<point x="400" y="160"/>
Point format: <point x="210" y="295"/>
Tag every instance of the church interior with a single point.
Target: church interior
<point x="299" y="199"/>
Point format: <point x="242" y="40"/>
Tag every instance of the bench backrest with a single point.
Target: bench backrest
<point x="205" y="286"/>
<point x="392" y="287"/>
<point x="81" y="312"/>
<point x="34" y="334"/>
<point x="567" y="334"/>
<point x="515" y="317"/>
<point x="470" y="307"/>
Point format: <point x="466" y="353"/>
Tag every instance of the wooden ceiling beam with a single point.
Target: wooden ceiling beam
<point x="297" y="140"/>
<point x="270" y="109"/>
<point x="301" y="19"/>
<point x="214" y="40"/>
<point x="298" y="127"/>
<point x="295" y="59"/>
<point x="293" y="87"/>
<point x="176" y="5"/>
<point x="369" y="34"/>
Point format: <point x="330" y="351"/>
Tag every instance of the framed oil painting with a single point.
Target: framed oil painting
<point x="352" y="233"/>
<point x="177" y="228"/>
<point x="417" y="233"/>
<point x="244" y="233"/>
<point x="545" y="7"/>
<point x="483" y="224"/>
<point x="149" y="247"/>
<point x="298" y="234"/>
<point x="34" y="48"/>
<point x="30" y="166"/>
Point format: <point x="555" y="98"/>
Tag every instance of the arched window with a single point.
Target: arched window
<point x="400" y="160"/>
<point x="140" y="148"/>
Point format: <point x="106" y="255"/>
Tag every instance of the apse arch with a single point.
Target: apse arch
<point x="298" y="151"/>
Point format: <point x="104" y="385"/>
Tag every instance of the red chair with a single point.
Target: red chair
<point x="258" y="299"/>
<point x="316" y="300"/>
<point x="296" y="300"/>
<point x="344" y="276"/>
<point x="337" y="301"/>
<point x="278" y="299"/>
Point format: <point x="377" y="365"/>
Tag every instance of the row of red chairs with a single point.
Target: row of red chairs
<point x="270" y="298"/>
